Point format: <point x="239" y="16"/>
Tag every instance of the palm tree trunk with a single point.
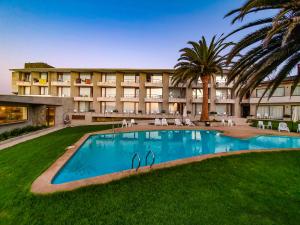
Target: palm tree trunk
<point x="204" y="114"/>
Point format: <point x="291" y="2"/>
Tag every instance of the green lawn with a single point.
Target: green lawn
<point x="257" y="188"/>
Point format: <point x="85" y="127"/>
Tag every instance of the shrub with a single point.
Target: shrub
<point x="19" y="131"/>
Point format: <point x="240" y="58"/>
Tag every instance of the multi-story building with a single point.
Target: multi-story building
<point x="99" y="94"/>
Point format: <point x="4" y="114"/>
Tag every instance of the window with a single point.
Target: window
<point x="109" y="78"/>
<point x="109" y="92"/>
<point x="108" y="107"/>
<point x="26" y="77"/>
<point x="26" y="90"/>
<point x="131" y="78"/>
<point x="222" y="94"/>
<point x="153" y="108"/>
<point x="221" y="109"/>
<point x="12" y="114"/>
<point x="260" y="92"/>
<point x="154" y="92"/>
<point x="154" y="78"/>
<point x="64" y="92"/>
<point x="85" y="76"/>
<point x="44" y="76"/>
<point x="197" y="108"/>
<point x="177" y="93"/>
<point x="131" y="92"/>
<point x="279" y="92"/>
<point x="197" y="93"/>
<point x="85" y="92"/>
<point x="43" y="90"/>
<point x="221" y="79"/>
<point x="175" y="108"/>
<point x="263" y="111"/>
<point x="276" y="112"/>
<point x="130" y="107"/>
<point x="84" y="106"/>
<point x="64" y="77"/>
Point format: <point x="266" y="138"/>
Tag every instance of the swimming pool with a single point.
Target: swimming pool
<point x="104" y="154"/>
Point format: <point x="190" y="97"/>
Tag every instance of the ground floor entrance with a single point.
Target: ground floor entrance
<point x="50" y="116"/>
<point x="245" y="110"/>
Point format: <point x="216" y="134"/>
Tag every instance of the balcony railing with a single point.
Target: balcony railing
<point x="84" y="98"/>
<point x="130" y="83"/>
<point x="224" y="99"/>
<point x="23" y="83"/>
<point x="86" y="82"/>
<point x="108" y="83"/>
<point x="40" y="82"/>
<point x="61" y="83"/>
<point x="154" y="83"/>
<point x="177" y="99"/>
<point x="131" y="98"/>
<point x="107" y="98"/>
<point x="154" y="98"/>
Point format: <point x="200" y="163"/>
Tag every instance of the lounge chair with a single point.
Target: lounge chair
<point x="223" y="122"/>
<point x="283" y="127"/>
<point x="269" y="125"/>
<point x="189" y="122"/>
<point x="132" y="122"/>
<point x="261" y="125"/>
<point x="164" y="122"/>
<point x="298" y="128"/>
<point x="157" y="122"/>
<point x="230" y="123"/>
<point x="178" y="122"/>
<point x="124" y="123"/>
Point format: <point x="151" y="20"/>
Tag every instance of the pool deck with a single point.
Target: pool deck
<point x="42" y="185"/>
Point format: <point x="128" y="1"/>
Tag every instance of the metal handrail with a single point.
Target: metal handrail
<point x="153" y="158"/>
<point x="132" y="161"/>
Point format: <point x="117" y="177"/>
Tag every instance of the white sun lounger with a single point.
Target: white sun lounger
<point x="261" y="125"/>
<point x="298" y="129"/>
<point x="178" y="122"/>
<point x="283" y="127"/>
<point x="157" y="122"/>
<point x="223" y="122"/>
<point x="164" y="122"/>
<point x="269" y="125"/>
<point x="124" y="123"/>
<point x="189" y="122"/>
<point x="132" y="122"/>
<point x="230" y="123"/>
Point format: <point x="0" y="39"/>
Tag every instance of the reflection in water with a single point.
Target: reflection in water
<point x="108" y="153"/>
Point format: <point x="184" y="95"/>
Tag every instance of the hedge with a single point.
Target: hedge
<point x="292" y="126"/>
<point x="19" y="131"/>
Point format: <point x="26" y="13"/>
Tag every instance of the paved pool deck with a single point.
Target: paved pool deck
<point x="43" y="185"/>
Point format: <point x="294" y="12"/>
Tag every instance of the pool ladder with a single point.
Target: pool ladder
<point x="136" y="155"/>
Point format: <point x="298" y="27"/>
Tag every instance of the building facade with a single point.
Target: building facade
<point x="99" y="94"/>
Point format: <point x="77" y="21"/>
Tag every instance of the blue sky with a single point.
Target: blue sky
<point x="115" y="33"/>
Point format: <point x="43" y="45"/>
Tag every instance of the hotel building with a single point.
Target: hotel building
<point x="99" y="95"/>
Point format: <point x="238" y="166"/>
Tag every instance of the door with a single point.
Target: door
<point x="245" y="110"/>
<point x="50" y="116"/>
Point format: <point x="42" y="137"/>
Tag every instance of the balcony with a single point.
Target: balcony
<point x="23" y="83"/>
<point x="83" y="99"/>
<point x="199" y="85"/>
<point x="282" y="99"/>
<point x="61" y="83"/>
<point x="154" y="98"/>
<point x="177" y="99"/>
<point x="179" y="85"/>
<point x="109" y="83"/>
<point x="154" y="83"/>
<point x="40" y="82"/>
<point x="83" y="83"/>
<point x="106" y="99"/>
<point x="130" y="98"/>
<point x="130" y="84"/>
<point x="224" y="100"/>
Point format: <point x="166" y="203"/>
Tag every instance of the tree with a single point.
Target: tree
<point x="201" y="61"/>
<point x="271" y="51"/>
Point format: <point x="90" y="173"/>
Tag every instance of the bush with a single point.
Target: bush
<point x="19" y="131"/>
<point x="292" y="126"/>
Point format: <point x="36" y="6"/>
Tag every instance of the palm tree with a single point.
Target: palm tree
<point x="271" y="51"/>
<point x="201" y="61"/>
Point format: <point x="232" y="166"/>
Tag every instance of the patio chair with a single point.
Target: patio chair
<point x="283" y="127"/>
<point x="298" y="128"/>
<point x="189" y="122"/>
<point x="223" y="122"/>
<point x="230" y="123"/>
<point x="164" y="122"/>
<point x="178" y="122"/>
<point x="269" y="125"/>
<point x="132" y="122"/>
<point x="124" y="123"/>
<point x="157" y="122"/>
<point x="260" y="125"/>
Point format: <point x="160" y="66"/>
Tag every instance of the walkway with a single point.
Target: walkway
<point x="16" y="140"/>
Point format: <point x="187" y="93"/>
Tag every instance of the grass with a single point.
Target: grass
<point x="256" y="188"/>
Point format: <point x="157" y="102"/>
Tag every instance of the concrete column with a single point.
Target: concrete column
<point x="189" y="99"/>
<point x="96" y="91"/>
<point x="74" y="90"/>
<point x="39" y="117"/>
<point x="119" y="92"/>
<point x="14" y="79"/>
<point x="165" y="91"/>
<point x="142" y="96"/>
<point x="53" y="90"/>
<point x="35" y="90"/>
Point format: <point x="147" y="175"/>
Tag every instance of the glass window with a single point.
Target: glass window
<point x="85" y="92"/>
<point x="156" y="78"/>
<point x="44" y="91"/>
<point x="110" y="78"/>
<point x="177" y="93"/>
<point x="84" y="106"/>
<point x="108" y="107"/>
<point x="197" y="93"/>
<point x="154" y="92"/>
<point x="26" y="77"/>
<point x="263" y="111"/>
<point x="130" y="107"/>
<point x="11" y="114"/>
<point x="222" y="94"/>
<point x="26" y="90"/>
<point x="221" y="109"/>
<point x="197" y="108"/>
<point x="64" y="77"/>
<point x="129" y="92"/>
<point x="64" y="91"/>
<point x="131" y="78"/>
<point x="279" y="92"/>
<point x="153" y="108"/>
<point x="297" y="91"/>
<point x="44" y="76"/>
<point x="276" y="112"/>
<point x="85" y="76"/>
<point x="260" y="92"/>
<point x="108" y="92"/>
<point x="221" y="79"/>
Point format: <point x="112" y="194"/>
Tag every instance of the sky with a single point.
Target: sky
<point x="104" y="34"/>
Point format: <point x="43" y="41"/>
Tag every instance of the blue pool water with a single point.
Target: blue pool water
<point x="108" y="153"/>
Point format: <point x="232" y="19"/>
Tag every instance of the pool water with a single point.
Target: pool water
<point x="108" y="153"/>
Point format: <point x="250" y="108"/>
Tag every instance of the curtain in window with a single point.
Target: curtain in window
<point x="263" y="110"/>
<point x="276" y="112"/>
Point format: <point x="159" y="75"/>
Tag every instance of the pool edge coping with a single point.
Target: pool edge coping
<point x="42" y="184"/>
